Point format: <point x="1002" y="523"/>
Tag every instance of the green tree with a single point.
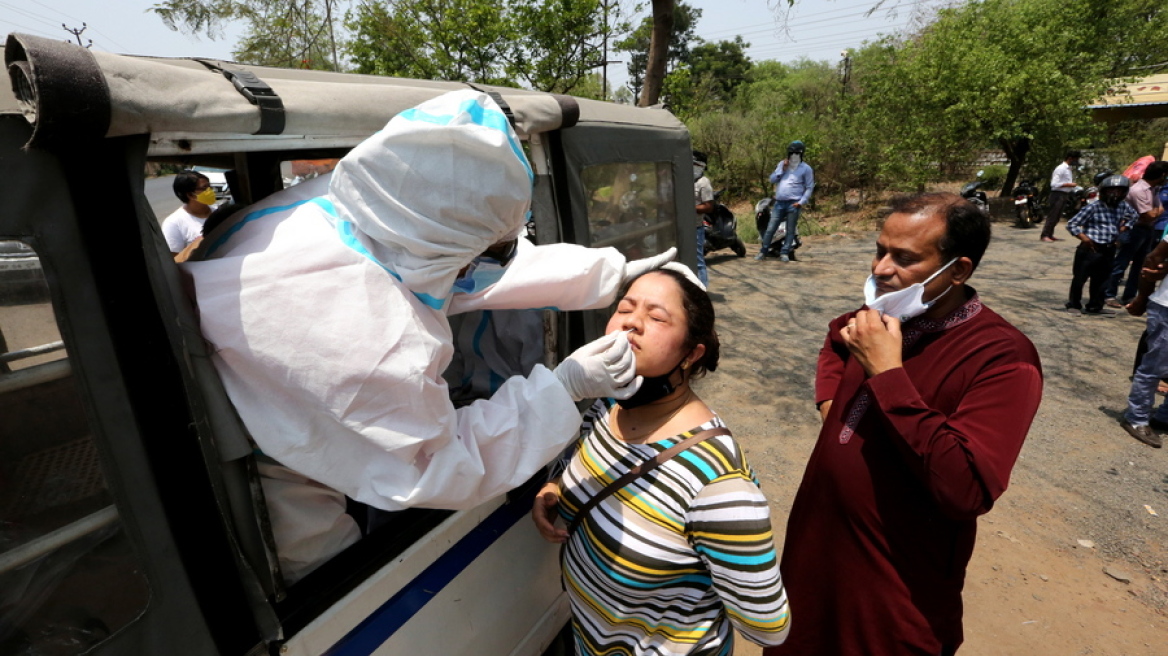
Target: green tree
<point x="724" y="61"/>
<point x="466" y="40"/>
<point x="684" y="22"/>
<point x="708" y="80"/>
<point x="1013" y="73"/>
<point x="282" y="33"/>
<point x="563" y="41"/>
<point x="550" y="45"/>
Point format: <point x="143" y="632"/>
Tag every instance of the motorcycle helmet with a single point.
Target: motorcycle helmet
<point x="1101" y="176"/>
<point x="796" y="147"/>
<point x="1114" y="189"/>
<point x="699" y="164"/>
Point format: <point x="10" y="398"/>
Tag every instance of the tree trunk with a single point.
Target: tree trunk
<point x="658" y="52"/>
<point x="1015" y="150"/>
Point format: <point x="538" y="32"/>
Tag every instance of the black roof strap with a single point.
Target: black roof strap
<point x="498" y="98"/>
<point x="257" y="93"/>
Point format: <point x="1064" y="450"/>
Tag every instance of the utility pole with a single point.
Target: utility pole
<point x="846" y="70"/>
<point x="77" y="34"/>
<point x="604" y="61"/>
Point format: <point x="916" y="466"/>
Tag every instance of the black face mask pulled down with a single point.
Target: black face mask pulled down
<point x="651" y="389"/>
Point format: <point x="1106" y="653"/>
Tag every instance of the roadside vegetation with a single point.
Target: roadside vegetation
<point x="900" y="114"/>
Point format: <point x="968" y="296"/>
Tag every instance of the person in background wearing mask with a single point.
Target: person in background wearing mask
<point x="794" y="181"/>
<point x="926" y="397"/>
<point x="1062" y="183"/>
<point x="1137" y="241"/>
<point x="326" y="308"/>
<point x="185" y="225"/>
<point x="1097" y="227"/>
<point x="704" y="204"/>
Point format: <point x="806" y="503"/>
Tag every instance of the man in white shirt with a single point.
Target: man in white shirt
<point x="185" y="224"/>
<point x="1062" y="183"/>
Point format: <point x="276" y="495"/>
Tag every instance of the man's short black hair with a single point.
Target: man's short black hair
<point x="1073" y="154"/>
<point x="1156" y="170"/>
<point x="186" y="182"/>
<point x="699" y="156"/>
<point x="967" y="228"/>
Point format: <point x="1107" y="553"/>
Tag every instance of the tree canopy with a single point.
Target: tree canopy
<point x="281" y="33"/>
<point x="550" y="45"/>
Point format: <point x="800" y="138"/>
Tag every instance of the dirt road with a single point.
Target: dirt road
<point x="1031" y="587"/>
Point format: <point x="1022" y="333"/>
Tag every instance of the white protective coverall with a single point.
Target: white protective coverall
<point x="327" y="312"/>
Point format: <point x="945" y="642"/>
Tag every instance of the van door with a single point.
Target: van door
<point x="628" y="187"/>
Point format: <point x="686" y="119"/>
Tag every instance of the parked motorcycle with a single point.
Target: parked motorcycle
<point x="722" y="229"/>
<point x="1026" y="204"/>
<point x="762" y="217"/>
<point x="972" y="192"/>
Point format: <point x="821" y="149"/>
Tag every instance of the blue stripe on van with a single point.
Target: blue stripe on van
<point x="382" y="623"/>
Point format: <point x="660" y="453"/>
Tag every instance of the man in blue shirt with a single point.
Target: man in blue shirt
<point x="794" y="180"/>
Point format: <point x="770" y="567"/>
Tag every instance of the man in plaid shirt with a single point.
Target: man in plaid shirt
<point x="1098" y="226"/>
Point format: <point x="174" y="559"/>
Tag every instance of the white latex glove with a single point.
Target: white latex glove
<point x="685" y="271"/>
<point x="647" y="264"/>
<point x="603" y="368"/>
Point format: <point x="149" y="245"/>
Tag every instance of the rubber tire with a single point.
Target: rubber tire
<point x="738" y="247"/>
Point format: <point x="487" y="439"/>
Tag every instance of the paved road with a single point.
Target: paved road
<point x="160" y="193"/>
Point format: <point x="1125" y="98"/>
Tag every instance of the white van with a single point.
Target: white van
<point x="131" y="518"/>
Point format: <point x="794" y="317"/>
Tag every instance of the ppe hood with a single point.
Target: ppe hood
<point x="436" y="187"/>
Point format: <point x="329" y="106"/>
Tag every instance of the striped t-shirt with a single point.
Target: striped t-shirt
<point x="667" y="564"/>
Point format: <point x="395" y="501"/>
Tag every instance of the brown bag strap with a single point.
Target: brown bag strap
<point x="642" y="469"/>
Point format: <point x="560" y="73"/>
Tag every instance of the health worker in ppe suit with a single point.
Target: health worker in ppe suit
<point x="326" y="307"/>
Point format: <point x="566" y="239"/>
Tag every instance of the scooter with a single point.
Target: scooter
<point x="722" y="229"/>
<point x="972" y="192"/>
<point x="1026" y="204"/>
<point x="762" y="217"/>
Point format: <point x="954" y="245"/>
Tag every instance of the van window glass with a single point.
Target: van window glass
<point x="68" y="575"/>
<point x="631" y="207"/>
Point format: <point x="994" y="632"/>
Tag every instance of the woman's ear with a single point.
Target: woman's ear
<point x="693" y="356"/>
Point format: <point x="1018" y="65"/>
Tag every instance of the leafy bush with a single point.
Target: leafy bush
<point x="993" y="175"/>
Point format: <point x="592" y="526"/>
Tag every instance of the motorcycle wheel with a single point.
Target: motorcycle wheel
<point x="738" y="247"/>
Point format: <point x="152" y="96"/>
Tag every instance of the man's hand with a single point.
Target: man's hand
<point x="544" y="514"/>
<point x="824" y="408"/>
<point x="1086" y="240"/>
<point x="1138" y="306"/>
<point x="1154" y="271"/>
<point x="185" y="254"/>
<point x="874" y="340"/>
<point x="796" y="204"/>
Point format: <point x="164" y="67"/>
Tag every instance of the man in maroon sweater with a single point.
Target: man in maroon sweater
<point x="926" y="396"/>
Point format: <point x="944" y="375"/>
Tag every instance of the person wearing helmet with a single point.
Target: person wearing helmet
<point x="703" y="205"/>
<point x="794" y="181"/>
<point x="1134" y="244"/>
<point x="1097" y="227"/>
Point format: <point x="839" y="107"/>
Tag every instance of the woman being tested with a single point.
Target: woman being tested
<point x="663" y="558"/>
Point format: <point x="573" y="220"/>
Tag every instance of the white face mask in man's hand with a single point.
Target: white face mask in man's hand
<point x="904" y="304"/>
